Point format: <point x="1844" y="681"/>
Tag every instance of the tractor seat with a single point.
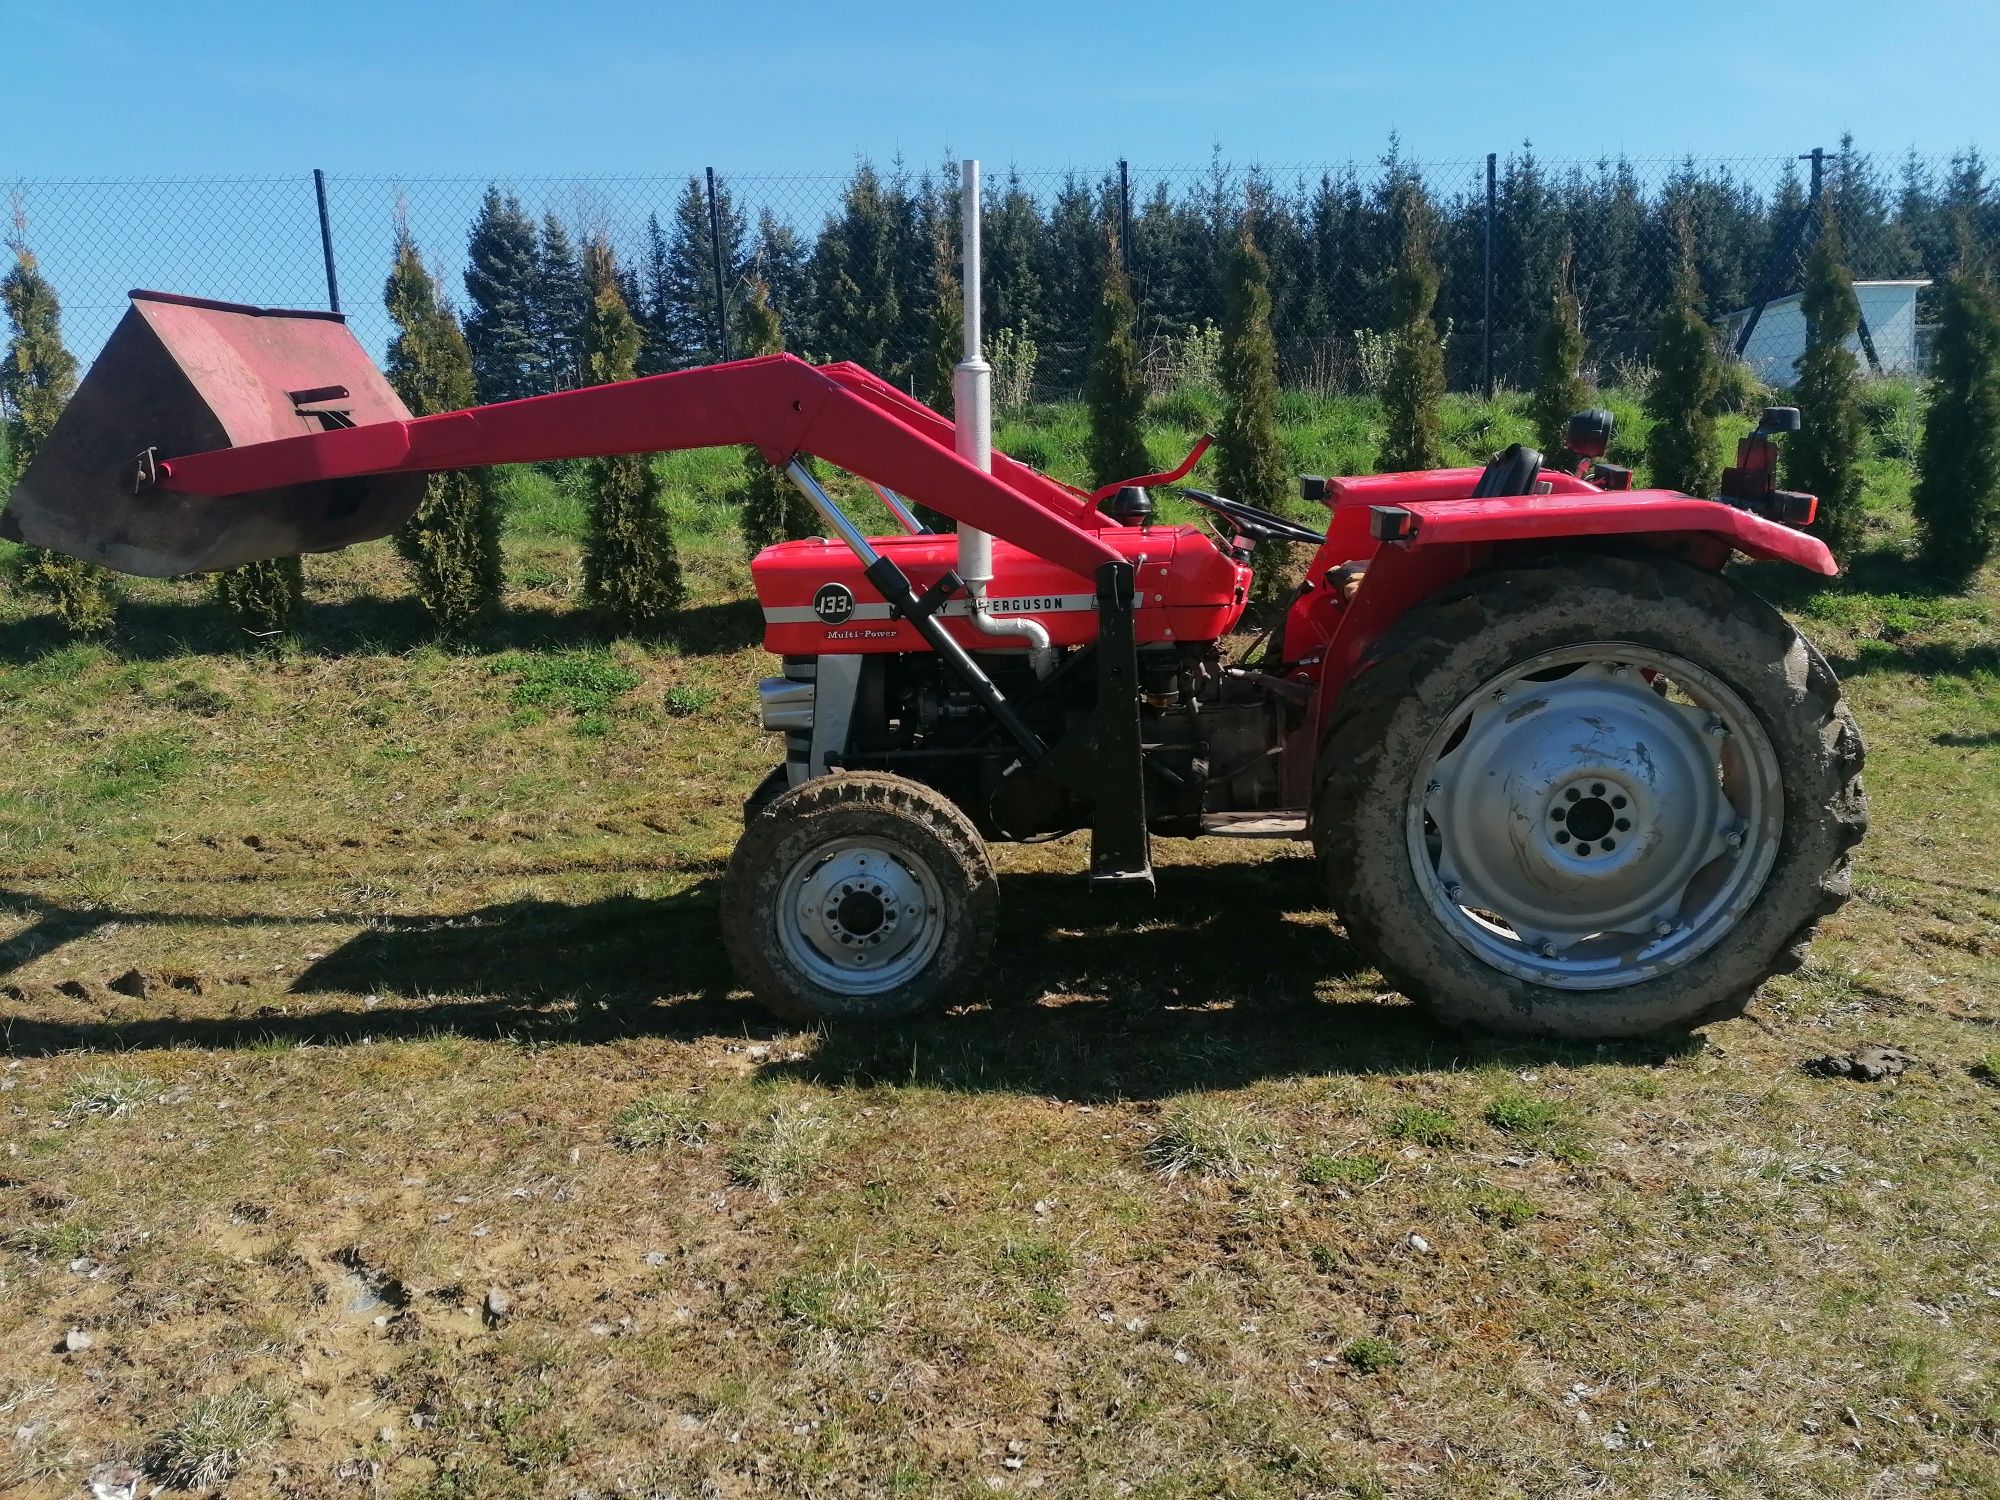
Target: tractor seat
<point x="1516" y="470"/>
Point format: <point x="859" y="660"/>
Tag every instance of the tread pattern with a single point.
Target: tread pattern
<point x="1418" y="669"/>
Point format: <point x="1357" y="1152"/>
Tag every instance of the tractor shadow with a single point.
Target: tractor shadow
<point x="545" y="971"/>
<point x="1229" y="977"/>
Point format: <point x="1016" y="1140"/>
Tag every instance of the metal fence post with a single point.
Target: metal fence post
<point x="326" y="242"/>
<point x="1124" y="218"/>
<point x="1786" y="251"/>
<point x="715" y="252"/>
<point x="1486" y="290"/>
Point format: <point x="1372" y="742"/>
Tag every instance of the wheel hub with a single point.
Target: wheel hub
<point x="859" y="917"/>
<point x="860" y="912"/>
<point x="1595" y="815"/>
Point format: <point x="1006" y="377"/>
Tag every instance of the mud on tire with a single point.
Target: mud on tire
<point x="858" y="896"/>
<point x="1480" y="628"/>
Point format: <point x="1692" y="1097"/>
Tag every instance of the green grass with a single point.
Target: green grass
<point x="1371" y="1355"/>
<point x="1423" y="1125"/>
<point x="361" y="964"/>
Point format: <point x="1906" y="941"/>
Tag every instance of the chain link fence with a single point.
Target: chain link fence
<point x="854" y="262"/>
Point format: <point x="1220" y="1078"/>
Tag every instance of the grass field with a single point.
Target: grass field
<point x="378" y="1118"/>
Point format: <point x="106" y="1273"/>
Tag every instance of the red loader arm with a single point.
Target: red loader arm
<point x="779" y="404"/>
<point x="210" y="434"/>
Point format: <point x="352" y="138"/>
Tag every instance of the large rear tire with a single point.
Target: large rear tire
<point x="859" y="897"/>
<point x="1589" y="797"/>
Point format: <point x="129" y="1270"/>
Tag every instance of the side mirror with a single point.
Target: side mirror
<point x="1780" y="419"/>
<point x="1589" y="433"/>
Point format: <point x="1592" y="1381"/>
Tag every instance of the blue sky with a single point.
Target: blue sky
<point x="451" y="86"/>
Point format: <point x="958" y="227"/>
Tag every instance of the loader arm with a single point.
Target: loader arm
<point x="211" y="434"/>
<point x="778" y="404"/>
<point x="1072" y="505"/>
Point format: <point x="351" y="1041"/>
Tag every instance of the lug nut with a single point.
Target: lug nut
<point x="1733" y="838"/>
<point x="1548" y="950"/>
<point x="1719" y="729"/>
<point x="1451" y="890"/>
<point x="1431" y="789"/>
<point x="1663" y="929"/>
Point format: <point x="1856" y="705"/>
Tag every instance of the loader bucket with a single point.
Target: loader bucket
<point x="178" y="376"/>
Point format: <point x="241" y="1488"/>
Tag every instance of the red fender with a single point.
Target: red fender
<point x="1449" y="538"/>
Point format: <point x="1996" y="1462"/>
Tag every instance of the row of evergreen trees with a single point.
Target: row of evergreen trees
<point x="630" y="568"/>
<point x="865" y="286"/>
<point x="1957" y="496"/>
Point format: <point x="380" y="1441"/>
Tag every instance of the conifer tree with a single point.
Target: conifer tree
<point x="656" y="354"/>
<point x="452" y="543"/>
<point x="1680" y="445"/>
<point x="1072" y="249"/>
<point x="263" y="596"/>
<point x="559" y="308"/>
<point x="773" y="509"/>
<point x="942" y="345"/>
<point x="1115" y="392"/>
<point x="630" y="569"/>
<point x="945" y="339"/>
<point x="688" y="300"/>
<point x="1957" y="497"/>
<point x="1251" y="463"/>
<point x="854" y="288"/>
<point x="1011" y="239"/>
<point x="35" y="383"/>
<point x="1559" y="388"/>
<point x="502" y="280"/>
<point x="780" y="262"/>
<point x="1415" y="385"/>
<point x="1825" y="456"/>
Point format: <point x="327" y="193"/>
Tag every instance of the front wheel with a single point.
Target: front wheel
<point x="858" y="896"/>
<point x="1594" y="797"/>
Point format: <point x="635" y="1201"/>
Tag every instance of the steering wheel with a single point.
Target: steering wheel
<point x="1257" y="525"/>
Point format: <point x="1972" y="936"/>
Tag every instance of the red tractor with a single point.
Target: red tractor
<point x="1564" y="775"/>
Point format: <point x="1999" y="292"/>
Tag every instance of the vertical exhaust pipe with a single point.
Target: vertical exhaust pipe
<point x="972" y="423"/>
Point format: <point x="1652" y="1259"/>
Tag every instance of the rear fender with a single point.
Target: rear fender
<point x="1454" y="538"/>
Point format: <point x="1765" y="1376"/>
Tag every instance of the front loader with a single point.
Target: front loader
<point x="1564" y="776"/>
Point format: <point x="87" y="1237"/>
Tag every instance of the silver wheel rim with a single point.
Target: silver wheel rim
<point x="859" y="916"/>
<point x="1595" y="816"/>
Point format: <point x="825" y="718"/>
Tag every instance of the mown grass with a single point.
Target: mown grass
<point x="359" y="964"/>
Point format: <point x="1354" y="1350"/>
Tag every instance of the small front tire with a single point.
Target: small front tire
<point x="859" y="897"/>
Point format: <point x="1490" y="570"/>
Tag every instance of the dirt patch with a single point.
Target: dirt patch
<point x="1871" y="1064"/>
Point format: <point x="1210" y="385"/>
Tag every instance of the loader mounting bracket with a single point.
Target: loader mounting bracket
<point x="1120" y="847"/>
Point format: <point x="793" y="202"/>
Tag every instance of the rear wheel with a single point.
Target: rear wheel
<point x="858" y="896"/>
<point x="1597" y="797"/>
